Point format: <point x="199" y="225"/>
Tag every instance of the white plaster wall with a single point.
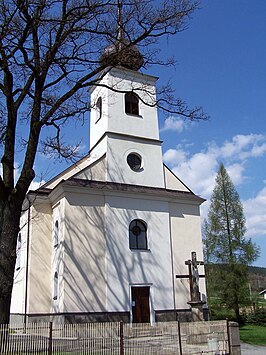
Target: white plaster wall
<point x="18" y="292"/>
<point x="57" y="257"/>
<point x="84" y="253"/>
<point x="118" y="169"/>
<point x="186" y="237"/>
<point x="95" y="171"/>
<point x="127" y="267"/>
<point x="98" y="126"/>
<point x="39" y="300"/>
<point x="98" y="151"/>
<point x="172" y="182"/>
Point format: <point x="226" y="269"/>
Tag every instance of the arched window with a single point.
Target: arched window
<point x="131" y="104"/>
<point x="55" y="290"/>
<point x="18" y="260"/>
<point x="137" y="235"/>
<point x="98" y="109"/>
<point x="56" y="234"/>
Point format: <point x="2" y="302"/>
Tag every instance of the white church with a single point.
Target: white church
<point x="110" y="238"/>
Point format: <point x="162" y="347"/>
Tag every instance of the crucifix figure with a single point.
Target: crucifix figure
<point x="194" y="277"/>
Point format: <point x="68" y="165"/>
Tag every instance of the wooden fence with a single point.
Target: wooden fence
<point x="118" y="339"/>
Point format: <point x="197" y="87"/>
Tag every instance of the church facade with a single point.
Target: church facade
<point x="109" y="238"/>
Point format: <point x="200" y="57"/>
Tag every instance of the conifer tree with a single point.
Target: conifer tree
<point x="225" y="244"/>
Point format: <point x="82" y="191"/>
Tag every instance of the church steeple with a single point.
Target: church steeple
<point x="122" y="52"/>
<point x="123" y="120"/>
<point x="120" y="30"/>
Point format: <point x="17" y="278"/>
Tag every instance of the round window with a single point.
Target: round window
<point x="134" y="161"/>
<point x="136" y="230"/>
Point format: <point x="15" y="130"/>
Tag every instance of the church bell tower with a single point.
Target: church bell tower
<point x="124" y="121"/>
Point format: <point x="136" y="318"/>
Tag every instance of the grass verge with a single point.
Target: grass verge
<point x="253" y="334"/>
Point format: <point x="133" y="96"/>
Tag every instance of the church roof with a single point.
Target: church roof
<point x="114" y="186"/>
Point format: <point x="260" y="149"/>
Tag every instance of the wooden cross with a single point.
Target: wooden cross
<point x="193" y="276"/>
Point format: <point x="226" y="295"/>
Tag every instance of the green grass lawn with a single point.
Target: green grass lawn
<point x="253" y="334"/>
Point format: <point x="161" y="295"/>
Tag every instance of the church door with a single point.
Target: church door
<point x="140" y="304"/>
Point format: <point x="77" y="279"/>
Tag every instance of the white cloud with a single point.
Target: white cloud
<point x="255" y="212"/>
<point x="36" y="184"/>
<point x="174" y="124"/>
<point x="258" y="150"/>
<point x="243" y="147"/>
<point x="174" y="155"/>
<point x="198" y="171"/>
<point x="236" y="172"/>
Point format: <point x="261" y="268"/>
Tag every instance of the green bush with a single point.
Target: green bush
<point x="221" y="313"/>
<point x="257" y="317"/>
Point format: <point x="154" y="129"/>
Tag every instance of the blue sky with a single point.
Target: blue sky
<point x="221" y="65"/>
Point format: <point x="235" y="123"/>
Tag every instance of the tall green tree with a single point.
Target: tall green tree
<point x="225" y="244"/>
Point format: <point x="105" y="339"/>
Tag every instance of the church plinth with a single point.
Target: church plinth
<point x="197" y="310"/>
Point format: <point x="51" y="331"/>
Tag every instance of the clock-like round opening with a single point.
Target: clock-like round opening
<point x="134" y="161"/>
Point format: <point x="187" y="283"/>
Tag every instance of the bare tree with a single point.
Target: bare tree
<point x="50" y="53"/>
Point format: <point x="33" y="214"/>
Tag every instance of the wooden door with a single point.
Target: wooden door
<point x="140" y="304"/>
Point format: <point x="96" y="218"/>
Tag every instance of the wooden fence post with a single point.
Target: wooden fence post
<point x="228" y="336"/>
<point x="179" y="337"/>
<point x="121" y="335"/>
<point x="50" y="347"/>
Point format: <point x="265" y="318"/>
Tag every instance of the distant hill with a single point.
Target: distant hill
<point x="256" y="276"/>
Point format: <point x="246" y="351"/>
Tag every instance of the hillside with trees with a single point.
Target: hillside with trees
<point x="257" y="278"/>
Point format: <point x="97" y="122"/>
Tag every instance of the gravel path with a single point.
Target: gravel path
<point x="247" y="349"/>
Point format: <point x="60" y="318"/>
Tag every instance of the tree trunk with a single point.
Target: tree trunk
<point x="236" y="307"/>
<point x="9" y="228"/>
